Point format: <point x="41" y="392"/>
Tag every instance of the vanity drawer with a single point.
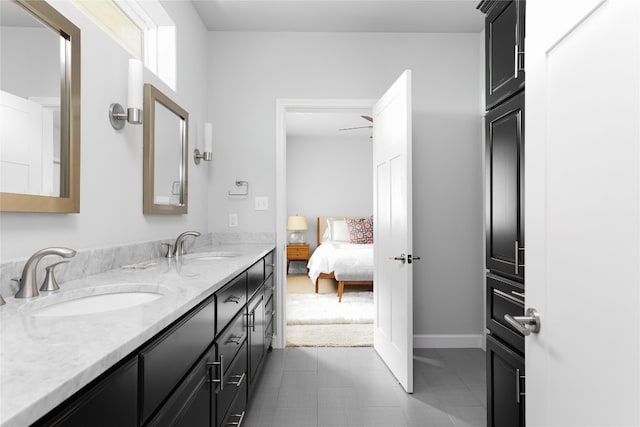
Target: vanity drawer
<point x="504" y="296"/>
<point x="268" y="287"/>
<point x="234" y="380"/>
<point x="232" y="339"/>
<point x="269" y="263"/>
<point x="230" y="300"/>
<point x="255" y="278"/>
<point x="165" y="361"/>
<point x="236" y="414"/>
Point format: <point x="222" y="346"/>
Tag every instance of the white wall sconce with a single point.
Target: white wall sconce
<point x="207" y="153"/>
<point x="117" y="115"/>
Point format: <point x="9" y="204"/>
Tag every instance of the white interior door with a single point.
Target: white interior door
<point x="582" y="212"/>
<point x="393" y="278"/>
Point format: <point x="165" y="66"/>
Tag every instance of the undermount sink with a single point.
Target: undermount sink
<point x="93" y="301"/>
<point x="206" y="256"/>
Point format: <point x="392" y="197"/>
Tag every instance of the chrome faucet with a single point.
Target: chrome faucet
<point x="178" y="246"/>
<point x="28" y="286"/>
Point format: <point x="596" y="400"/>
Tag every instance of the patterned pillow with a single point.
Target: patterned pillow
<point x="361" y="230"/>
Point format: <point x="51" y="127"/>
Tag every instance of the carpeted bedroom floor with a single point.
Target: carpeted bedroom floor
<point x="319" y="320"/>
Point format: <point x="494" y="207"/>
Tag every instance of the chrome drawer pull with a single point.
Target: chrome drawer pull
<point x="240" y="379"/>
<point x="518" y="294"/>
<point x="235" y="339"/>
<point x="239" y="422"/>
<point x="221" y="364"/>
<point x="516" y="251"/>
<point x="507" y="296"/>
<point x="233" y="298"/>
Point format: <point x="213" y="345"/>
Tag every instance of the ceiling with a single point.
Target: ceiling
<point x="397" y="16"/>
<point x="326" y="124"/>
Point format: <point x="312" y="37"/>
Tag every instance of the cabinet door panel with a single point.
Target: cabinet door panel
<point x="505" y="188"/>
<point x="505" y="385"/>
<point x="504" y="33"/>
<point x="191" y="405"/>
<point x="256" y="336"/>
<point x="169" y="358"/>
<point x="95" y="406"/>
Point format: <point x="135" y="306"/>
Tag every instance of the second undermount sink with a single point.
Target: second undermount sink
<point x="94" y="301"/>
<point x="206" y="256"/>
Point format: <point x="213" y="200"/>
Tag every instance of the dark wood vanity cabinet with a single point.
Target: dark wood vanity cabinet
<point x="196" y="372"/>
<point x="504" y="201"/>
<point x="504" y="49"/>
<point x="504" y="166"/>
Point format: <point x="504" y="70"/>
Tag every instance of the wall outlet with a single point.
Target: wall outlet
<point x="233" y="220"/>
<point x="261" y="203"/>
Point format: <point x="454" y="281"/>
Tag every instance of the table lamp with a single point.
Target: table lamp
<point x="295" y="224"/>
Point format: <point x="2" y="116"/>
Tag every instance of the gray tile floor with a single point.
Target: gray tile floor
<point x="338" y="386"/>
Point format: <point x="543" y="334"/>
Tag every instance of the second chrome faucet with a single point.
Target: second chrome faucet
<point x="178" y="247"/>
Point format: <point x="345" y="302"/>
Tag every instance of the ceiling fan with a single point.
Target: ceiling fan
<point x="368" y="118"/>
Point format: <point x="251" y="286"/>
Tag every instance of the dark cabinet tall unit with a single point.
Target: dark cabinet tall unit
<point x="504" y="201"/>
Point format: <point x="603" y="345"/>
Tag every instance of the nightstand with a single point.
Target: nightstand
<point x="297" y="252"/>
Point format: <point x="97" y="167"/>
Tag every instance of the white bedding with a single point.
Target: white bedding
<point x="347" y="261"/>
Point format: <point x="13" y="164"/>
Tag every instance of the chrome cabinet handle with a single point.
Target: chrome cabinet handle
<point x="507" y="296"/>
<point x="526" y="324"/>
<point x="253" y="321"/>
<point x="240" y="379"/>
<point x="221" y="365"/>
<point x="515" y="61"/>
<point x="399" y="258"/>
<point x="235" y="339"/>
<point x="518" y="294"/>
<point x="233" y="298"/>
<point x="239" y="422"/>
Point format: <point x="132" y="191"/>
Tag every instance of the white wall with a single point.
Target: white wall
<point x="111" y="161"/>
<point x="328" y="176"/>
<point x="249" y="71"/>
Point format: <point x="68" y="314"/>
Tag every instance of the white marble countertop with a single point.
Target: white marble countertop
<point x="44" y="360"/>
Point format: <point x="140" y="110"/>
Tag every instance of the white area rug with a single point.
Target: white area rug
<point x="324" y="309"/>
<point x="330" y="335"/>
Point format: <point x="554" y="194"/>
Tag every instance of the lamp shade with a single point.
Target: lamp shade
<point x="297" y="222"/>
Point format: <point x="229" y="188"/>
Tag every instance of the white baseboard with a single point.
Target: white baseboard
<point x="448" y="341"/>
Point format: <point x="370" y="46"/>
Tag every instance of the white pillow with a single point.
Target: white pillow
<point x="338" y="230"/>
<point x="326" y="236"/>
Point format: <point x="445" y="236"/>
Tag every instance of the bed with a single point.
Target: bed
<point x="337" y="258"/>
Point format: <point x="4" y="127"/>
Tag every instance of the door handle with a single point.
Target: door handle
<point x="526" y="324"/>
<point x="399" y="258"/>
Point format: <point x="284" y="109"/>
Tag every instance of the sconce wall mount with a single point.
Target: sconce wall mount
<point x="207" y="156"/>
<point x="117" y="116"/>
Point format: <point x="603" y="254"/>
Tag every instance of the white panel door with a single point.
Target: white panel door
<point x="582" y="212"/>
<point x="393" y="278"/>
<point x="20" y="145"/>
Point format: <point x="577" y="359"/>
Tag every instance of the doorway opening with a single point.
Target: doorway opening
<point x="324" y="161"/>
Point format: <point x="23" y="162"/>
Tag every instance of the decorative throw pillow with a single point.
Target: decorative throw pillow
<point x="360" y="230"/>
<point x="338" y="230"/>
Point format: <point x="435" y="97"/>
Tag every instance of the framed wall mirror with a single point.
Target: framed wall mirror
<point x="39" y="109"/>
<point x="166" y="144"/>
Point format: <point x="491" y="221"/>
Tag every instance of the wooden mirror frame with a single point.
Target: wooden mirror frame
<point x="69" y="199"/>
<point x="151" y="95"/>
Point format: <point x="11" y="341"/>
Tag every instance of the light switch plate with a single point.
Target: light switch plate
<point x="261" y="203"/>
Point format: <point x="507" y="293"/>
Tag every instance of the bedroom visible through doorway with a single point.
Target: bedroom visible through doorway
<point x="328" y="175"/>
